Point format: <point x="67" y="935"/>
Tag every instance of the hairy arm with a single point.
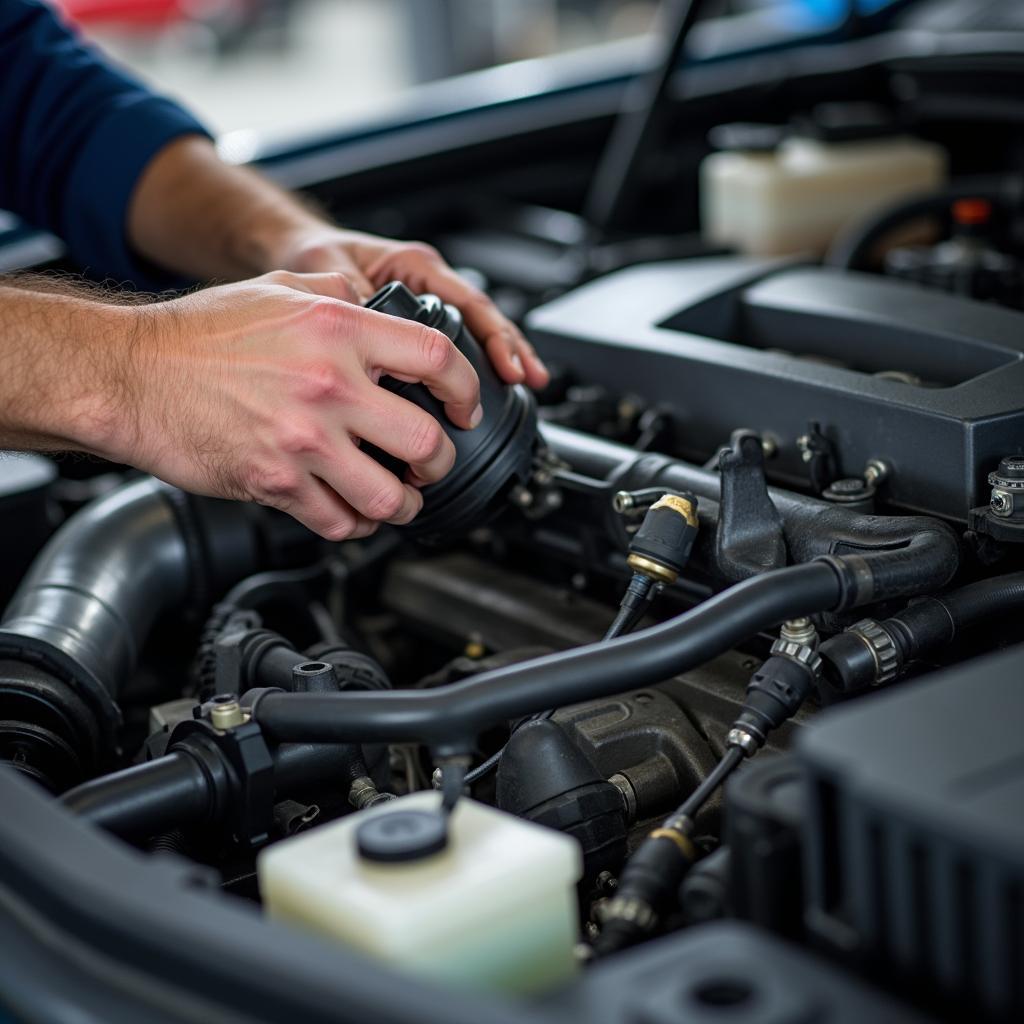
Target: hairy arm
<point x="67" y="361"/>
<point x="260" y="391"/>
<point x="193" y="214"/>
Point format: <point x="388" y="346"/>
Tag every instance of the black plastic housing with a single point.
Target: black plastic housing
<point x="914" y="844"/>
<point x="733" y="342"/>
<point x="764" y="813"/>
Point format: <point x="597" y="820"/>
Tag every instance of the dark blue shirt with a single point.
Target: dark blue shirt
<point x="75" y="134"/>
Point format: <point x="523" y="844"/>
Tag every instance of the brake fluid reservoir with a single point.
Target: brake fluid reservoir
<point x="796" y="196"/>
<point x="490" y="906"/>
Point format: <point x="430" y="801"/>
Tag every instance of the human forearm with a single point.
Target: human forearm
<point x="67" y="361"/>
<point x="198" y="216"/>
<point x="195" y="215"/>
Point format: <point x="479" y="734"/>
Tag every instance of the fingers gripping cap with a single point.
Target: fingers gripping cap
<point x="490" y="459"/>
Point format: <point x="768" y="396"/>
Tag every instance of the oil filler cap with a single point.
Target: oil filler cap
<point x="401" y="836"/>
<point x="490" y="460"/>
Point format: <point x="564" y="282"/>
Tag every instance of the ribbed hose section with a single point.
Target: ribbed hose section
<point x="99" y="584"/>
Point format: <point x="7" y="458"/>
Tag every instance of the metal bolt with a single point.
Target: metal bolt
<point x="364" y="794"/>
<point x="769" y="446"/>
<point x="227" y="714"/>
<point x="623" y="502"/>
<point x="1000" y="503"/>
<point x="520" y="496"/>
<point x="799" y="631"/>
<point x="746" y="741"/>
<point x="875" y="472"/>
<point x="474" y="648"/>
<point x="436" y="779"/>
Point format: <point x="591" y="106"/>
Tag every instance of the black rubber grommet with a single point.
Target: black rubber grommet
<point x="402" y="836"/>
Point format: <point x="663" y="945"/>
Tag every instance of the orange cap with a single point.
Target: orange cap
<point x="972" y="211"/>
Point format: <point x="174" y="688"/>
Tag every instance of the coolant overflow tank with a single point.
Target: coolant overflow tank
<point x="493" y="908"/>
<point x="489" y="460"/>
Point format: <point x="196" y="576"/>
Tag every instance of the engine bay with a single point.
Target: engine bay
<point x="690" y="696"/>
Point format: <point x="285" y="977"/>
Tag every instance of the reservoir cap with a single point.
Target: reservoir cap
<point x="401" y="836"/>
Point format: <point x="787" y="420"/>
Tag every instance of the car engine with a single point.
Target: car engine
<point x="694" y="678"/>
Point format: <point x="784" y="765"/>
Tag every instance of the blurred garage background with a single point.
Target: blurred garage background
<point x="285" y="67"/>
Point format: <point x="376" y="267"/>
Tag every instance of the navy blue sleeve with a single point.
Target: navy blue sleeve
<point x="75" y="134"/>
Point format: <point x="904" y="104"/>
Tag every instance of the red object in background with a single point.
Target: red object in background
<point x="968" y="212"/>
<point x="140" y="13"/>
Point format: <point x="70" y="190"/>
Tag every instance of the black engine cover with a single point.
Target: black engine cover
<point x="931" y="383"/>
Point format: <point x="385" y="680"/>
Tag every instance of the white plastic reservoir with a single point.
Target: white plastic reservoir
<point x="495" y="909"/>
<point x="799" y="196"/>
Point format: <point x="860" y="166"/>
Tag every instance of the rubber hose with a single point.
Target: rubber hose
<point x="936" y="621"/>
<point x="457" y="713"/>
<point x="175" y="790"/>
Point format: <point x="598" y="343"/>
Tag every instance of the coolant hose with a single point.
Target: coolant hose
<point x="449" y="719"/>
<point x="189" y="787"/>
<point x="146" y="799"/>
<point x="870" y="652"/>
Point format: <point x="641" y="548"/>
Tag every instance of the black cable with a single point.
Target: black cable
<point x="635" y="130"/>
<point x="484" y="767"/>
<point x="730" y="760"/>
<point x="634" y="604"/>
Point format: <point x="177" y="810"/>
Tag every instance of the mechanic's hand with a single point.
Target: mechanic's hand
<point x="262" y="390"/>
<point x="370" y="262"/>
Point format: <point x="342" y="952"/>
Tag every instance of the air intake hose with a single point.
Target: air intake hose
<point x="71" y="636"/>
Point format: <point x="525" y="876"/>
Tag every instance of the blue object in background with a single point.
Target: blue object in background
<point x="832" y="11"/>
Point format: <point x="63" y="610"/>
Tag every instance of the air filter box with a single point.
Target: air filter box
<point x="914" y="842"/>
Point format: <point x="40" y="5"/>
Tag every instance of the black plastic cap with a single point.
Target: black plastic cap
<point x="666" y="537"/>
<point x="400" y="836"/>
<point x="490" y="459"/>
<point x="396" y="299"/>
<point x="775" y="693"/>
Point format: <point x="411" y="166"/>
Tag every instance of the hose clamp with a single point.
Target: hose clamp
<point x="802" y="653"/>
<point x="883" y="648"/>
<point x="630" y="910"/>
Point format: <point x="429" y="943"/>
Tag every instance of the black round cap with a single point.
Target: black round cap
<point x="396" y="299"/>
<point x="490" y="459"/>
<point x="400" y="836"/>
